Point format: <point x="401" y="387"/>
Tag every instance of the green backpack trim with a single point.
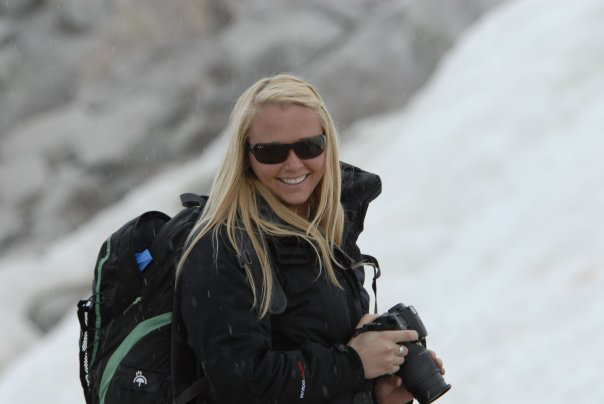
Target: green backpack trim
<point x="97" y="303"/>
<point x="141" y="330"/>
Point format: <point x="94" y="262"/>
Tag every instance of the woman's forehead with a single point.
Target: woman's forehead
<point x="283" y="123"/>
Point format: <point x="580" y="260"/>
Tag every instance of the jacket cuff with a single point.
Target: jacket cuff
<point x="356" y="365"/>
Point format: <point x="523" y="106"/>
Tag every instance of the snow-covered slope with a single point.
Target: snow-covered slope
<point x="491" y="218"/>
<point x="490" y="222"/>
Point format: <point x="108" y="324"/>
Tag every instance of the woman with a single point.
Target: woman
<point x="301" y="211"/>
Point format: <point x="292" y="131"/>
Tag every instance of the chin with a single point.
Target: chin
<point x="291" y="202"/>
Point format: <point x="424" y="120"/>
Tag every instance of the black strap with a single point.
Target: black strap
<point x="377" y="272"/>
<point x="368" y="327"/>
<point x="199" y="388"/>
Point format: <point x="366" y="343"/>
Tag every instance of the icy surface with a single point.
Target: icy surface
<point x="490" y="221"/>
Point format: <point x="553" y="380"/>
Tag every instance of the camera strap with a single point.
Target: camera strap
<point x="367" y="327"/>
<point x="377" y="272"/>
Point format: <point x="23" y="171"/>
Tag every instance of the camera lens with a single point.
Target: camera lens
<point x="421" y="376"/>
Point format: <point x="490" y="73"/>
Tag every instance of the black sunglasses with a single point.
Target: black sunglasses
<point x="275" y="153"/>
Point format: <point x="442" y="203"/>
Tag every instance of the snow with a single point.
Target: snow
<point x="490" y="221"/>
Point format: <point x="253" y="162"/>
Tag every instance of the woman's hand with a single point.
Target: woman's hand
<point x="380" y="351"/>
<point x="389" y="389"/>
<point x="438" y="361"/>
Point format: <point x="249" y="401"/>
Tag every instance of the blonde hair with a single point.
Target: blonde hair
<point x="232" y="203"/>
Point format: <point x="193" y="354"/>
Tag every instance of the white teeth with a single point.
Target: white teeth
<point x="294" y="181"/>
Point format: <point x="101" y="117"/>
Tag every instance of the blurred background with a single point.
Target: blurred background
<point x="483" y="117"/>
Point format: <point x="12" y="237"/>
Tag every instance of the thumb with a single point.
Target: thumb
<point x="394" y="380"/>
<point x="366" y="319"/>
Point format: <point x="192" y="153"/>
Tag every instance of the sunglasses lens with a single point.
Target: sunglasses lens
<point x="275" y="153"/>
<point x="310" y="148"/>
<point x="270" y="153"/>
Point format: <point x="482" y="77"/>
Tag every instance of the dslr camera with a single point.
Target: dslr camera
<point x="420" y="375"/>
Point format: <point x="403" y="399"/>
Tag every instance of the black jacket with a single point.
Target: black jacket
<point x="298" y="355"/>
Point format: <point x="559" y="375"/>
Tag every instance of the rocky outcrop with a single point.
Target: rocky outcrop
<point x="98" y="96"/>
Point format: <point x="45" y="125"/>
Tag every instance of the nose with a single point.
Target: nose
<point x="293" y="161"/>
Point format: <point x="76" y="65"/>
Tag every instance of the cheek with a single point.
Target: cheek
<point x="317" y="165"/>
<point x="264" y="172"/>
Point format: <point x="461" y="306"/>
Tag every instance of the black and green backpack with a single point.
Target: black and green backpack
<point x="126" y="325"/>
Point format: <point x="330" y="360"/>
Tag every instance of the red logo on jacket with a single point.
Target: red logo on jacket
<point x="303" y="387"/>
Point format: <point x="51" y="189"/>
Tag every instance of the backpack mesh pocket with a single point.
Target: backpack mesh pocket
<point x="86" y="317"/>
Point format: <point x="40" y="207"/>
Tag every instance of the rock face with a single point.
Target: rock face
<point x="17" y="8"/>
<point x="97" y="96"/>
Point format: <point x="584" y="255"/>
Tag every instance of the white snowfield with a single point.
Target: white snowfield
<point x="490" y="222"/>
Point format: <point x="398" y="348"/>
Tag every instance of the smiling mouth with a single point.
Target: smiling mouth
<point x="294" y="181"/>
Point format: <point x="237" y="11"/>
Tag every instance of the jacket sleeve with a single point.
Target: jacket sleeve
<point x="234" y="345"/>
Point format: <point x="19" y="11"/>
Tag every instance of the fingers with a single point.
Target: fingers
<point x="394" y="352"/>
<point x="385" y="386"/>
<point x="382" y="352"/>
<point x="398" y="353"/>
<point x="401" y="336"/>
<point x="367" y="318"/>
<point x="379" y="353"/>
<point x="394" y="370"/>
<point x="438" y="361"/>
<point x="396" y="364"/>
<point x="392" y="380"/>
<point x="401" y="350"/>
<point x="395" y="380"/>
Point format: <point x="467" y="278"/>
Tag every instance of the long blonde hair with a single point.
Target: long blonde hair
<point x="234" y="195"/>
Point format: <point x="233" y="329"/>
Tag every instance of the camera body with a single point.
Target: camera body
<point x="420" y="375"/>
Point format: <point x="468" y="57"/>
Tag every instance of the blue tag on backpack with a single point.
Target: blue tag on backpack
<point x="143" y="259"/>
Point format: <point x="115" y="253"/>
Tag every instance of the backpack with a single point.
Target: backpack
<point x="125" y="326"/>
<point x="130" y="349"/>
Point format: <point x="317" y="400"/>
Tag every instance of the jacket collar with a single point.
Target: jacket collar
<point x="358" y="189"/>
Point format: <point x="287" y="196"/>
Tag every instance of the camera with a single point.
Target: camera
<point x="420" y="375"/>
